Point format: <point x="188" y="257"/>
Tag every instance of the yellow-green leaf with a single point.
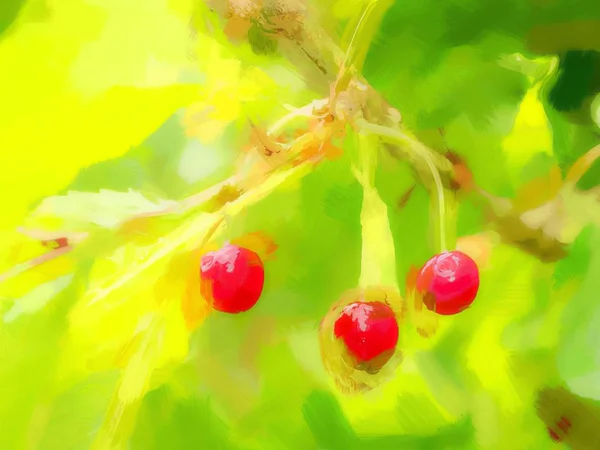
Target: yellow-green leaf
<point x="80" y="210"/>
<point x="76" y="94"/>
<point x="530" y="135"/>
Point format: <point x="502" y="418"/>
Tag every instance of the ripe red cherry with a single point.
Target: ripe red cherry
<point x="370" y="333"/>
<point x="448" y="282"/>
<point x="232" y="278"/>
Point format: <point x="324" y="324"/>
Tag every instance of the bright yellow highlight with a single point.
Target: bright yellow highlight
<point x="488" y="358"/>
<point x="228" y="86"/>
<point x="378" y="260"/>
<point x="72" y="97"/>
<point x="531" y="133"/>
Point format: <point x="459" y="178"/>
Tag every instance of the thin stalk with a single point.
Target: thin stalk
<point x="418" y="149"/>
<point x="362" y="32"/>
<point x="303" y="111"/>
<point x="378" y="258"/>
<point x="351" y="52"/>
<point x="210" y="193"/>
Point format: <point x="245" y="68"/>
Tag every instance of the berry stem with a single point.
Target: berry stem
<point x="378" y="258"/>
<point x="270" y="184"/>
<point x="203" y="197"/>
<point x="424" y="154"/>
<point x="360" y="33"/>
<point x="304" y="111"/>
<point x="230" y="210"/>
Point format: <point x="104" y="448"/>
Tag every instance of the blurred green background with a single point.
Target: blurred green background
<point x="152" y="96"/>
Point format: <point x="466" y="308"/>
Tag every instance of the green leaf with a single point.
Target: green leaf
<point x="120" y="292"/>
<point x="81" y="211"/>
<point x="147" y="346"/>
<point x="575" y="81"/>
<point x="572" y="136"/>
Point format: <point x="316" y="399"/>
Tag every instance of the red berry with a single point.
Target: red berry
<point x="232" y="278"/>
<point x="370" y="333"/>
<point x="448" y="282"/>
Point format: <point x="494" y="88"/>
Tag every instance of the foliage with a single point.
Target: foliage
<point x="139" y="134"/>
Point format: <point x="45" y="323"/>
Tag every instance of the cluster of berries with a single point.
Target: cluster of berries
<point x="232" y="280"/>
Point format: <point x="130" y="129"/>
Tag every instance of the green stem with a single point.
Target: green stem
<point x="362" y="33"/>
<point x="359" y="27"/>
<point x="424" y="154"/>
<point x="269" y="185"/>
<point x="201" y="198"/>
<point x="304" y="111"/>
<point x="378" y="259"/>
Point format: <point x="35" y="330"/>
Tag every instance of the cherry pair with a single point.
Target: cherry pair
<point x="447" y="283"/>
